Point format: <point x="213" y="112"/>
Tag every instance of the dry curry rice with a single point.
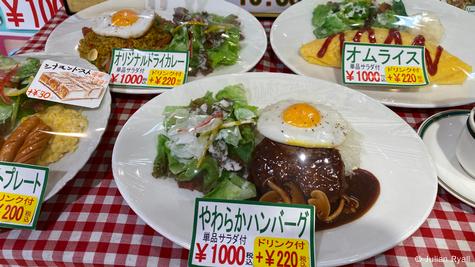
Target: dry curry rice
<point x="97" y="49"/>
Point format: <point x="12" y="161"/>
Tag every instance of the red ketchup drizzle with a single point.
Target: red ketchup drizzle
<point x="431" y="64"/>
<point x="323" y="49"/>
<point x="342" y="40"/>
<point x="393" y="36"/>
<point x="359" y="33"/>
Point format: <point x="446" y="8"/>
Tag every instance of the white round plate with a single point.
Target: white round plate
<point x="391" y="150"/>
<point x="440" y="133"/>
<point x="67" y="167"/>
<point x="286" y="39"/>
<point x="65" y="38"/>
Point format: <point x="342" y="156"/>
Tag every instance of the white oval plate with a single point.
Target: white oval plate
<point x="440" y="133"/>
<point x="391" y="150"/>
<point x="67" y="167"/>
<point x="65" y="38"/>
<point x="293" y="28"/>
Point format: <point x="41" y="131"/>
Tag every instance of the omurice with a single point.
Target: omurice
<point x="442" y="66"/>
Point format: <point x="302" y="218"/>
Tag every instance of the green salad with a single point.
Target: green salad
<point x="207" y="144"/>
<point x="15" y="78"/>
<point x="212" y="40"/>
<point x="333" y="17"/>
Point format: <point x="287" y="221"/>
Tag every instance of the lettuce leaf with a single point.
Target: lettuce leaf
<point x="5" y="112"/>
<point x="355" y="12"/>
<point x="231" y="135"/>
<point x="180" y="40"/>
<point x="160" y="164"/>
<point x="212" y="39"/>
<point x="28" y="68"/>
<point x="235" y="93"/>
<point x="246" y="145"/>
<point x="326" y="21"/>
<point x="387" y="19"/>
<point x="208" y="168"/>
<point x="228" y="52"/>
<point x="207" y="99"/>
<point x="399" y="8"/>
<point x="332" y="17"/>
<point x="236" y="137"/>
<point x="171" y="113"/>
<point x="198" y="61"/>
<point x="233" y="187"/>
<point x="244" y="112"/>
<point x="331" y="25"/>
<point x="165" y="163"/>
<point x="7" y="63"/>
<point x="320" y="13"/>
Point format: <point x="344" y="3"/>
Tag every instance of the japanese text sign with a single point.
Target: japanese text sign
<point x="245" y="233"/>
<point x="28" y="14"/>
<point x="148" y="69"/>
<point x="67" y="84"/>
<point x="264" y="7"/>
<point x="381" y="64"/>
<point x="21" y="194"/>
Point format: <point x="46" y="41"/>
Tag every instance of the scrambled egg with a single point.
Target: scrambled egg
<point x="62" y="121"/>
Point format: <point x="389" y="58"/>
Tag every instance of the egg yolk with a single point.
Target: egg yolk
<point x="301" y="115"/>
<point x="124" y="17"/>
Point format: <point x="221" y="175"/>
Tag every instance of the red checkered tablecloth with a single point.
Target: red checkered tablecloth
<point x="89" y="223"/>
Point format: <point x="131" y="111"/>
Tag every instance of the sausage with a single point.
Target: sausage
<point x="17" y="138"/>
<point x="34" y="145"/>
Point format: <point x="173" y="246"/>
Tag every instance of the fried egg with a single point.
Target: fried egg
<point x="303" y="124"/>
<point x="125" y="23"/>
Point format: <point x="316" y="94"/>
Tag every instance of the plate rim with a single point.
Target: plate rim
<point x="362" y="256"/>
<point x="421" y="132"/>
<point x="260" y="32"/>
<point x="387" y="102"/>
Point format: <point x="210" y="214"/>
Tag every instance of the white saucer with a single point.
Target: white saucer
<point x="440" y="133"/>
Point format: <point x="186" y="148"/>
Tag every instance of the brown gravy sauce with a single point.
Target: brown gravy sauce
<point x="394" y="36"/>
<point x="364" y="186"/>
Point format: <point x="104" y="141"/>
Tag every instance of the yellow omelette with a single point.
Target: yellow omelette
<point x="443" y="67"/>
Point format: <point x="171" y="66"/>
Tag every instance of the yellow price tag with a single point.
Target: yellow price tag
<point x="17" y="209"/>
<point x="271" y="251"/>
<point x="404" y="75"/>
<point x="165" y="78"/>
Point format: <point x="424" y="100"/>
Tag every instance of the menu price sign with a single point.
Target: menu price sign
<point x="247" y="233"/>
<point x="264" y="7"/>
<point x="28" y="14"/>
<point x="22" y="188"/>
<point x="68" y="84"/>
<point x="148" y="69"/>
<point x="382" y="64"/>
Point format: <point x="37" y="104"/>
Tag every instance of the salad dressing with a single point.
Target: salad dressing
<point x="393" y="36"/>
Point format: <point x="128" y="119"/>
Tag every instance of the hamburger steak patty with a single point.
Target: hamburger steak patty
<point x="308" y="168"/>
